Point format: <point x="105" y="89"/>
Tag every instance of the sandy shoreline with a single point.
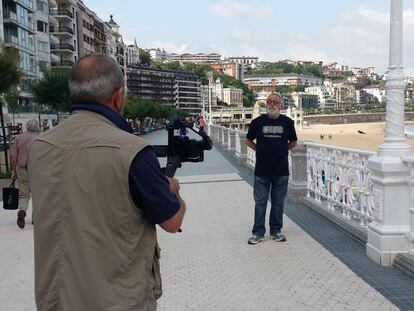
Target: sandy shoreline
<point x="346" y="135"/>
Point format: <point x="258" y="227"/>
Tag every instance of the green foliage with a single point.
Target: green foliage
<point x="10" y="73"/>
<point x="144" y="57"/>
<point x="409" y="105"/>
<point x="248" y="95"/>
<point x="283" y="89"/>
<point x="283" y="67"/>
<point x="52" y="89"/>
<point x="139" y="108"/>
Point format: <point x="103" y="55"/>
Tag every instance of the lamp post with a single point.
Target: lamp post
<point x="390" y="194"/>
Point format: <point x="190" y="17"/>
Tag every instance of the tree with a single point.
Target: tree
<point x="52" y="90"/>
<point x="12" y="100"/>
<point x="10" y="76"/>
<point x="144" y="57"/>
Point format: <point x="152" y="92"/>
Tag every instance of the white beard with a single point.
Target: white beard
<point x="272" y="112"/>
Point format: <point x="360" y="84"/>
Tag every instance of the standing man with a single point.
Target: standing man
<point x="18" y="155"/>
<point x="98" y="194"/>
<point x="275" y="135"/>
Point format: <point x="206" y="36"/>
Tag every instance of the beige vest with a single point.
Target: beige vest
<point x="94" y="250"/>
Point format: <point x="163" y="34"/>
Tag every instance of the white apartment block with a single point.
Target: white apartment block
<point x="43" y="38"/>
<point x="233" y="96"/>
<point x="159" y="55"/>
<point x="132" y="54"/>
<point x="246" y="61"/>
<point x="326" y="95"/>
<point x="199" y="58"/>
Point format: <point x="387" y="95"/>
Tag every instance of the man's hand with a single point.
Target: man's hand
<point x="174" y="185"/>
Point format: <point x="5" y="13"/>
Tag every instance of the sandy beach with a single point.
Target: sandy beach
<point x="346" y="135"/>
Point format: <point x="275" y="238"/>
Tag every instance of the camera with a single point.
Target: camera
<point x="182" y="148"/>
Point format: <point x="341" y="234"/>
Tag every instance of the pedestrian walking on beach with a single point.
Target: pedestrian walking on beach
<point x="18" y="156"/>
<point x="98" y="194"/>
<point x="275" y="135"/>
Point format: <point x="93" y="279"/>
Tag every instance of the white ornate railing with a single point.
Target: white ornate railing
<point x="410" y="162"/>
<point x="339" y="179"/>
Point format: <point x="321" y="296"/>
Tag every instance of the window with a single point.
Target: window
<point x="43" y="46"/>
<point x="41" y="26"/>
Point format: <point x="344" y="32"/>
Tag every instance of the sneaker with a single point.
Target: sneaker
<point x="21" y="214"/>
<point x="278" y="237"/>
<point x="255" y="239"/>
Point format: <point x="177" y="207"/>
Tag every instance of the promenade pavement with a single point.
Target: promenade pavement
<point x="210" y="266"/>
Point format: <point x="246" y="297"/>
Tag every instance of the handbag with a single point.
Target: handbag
<point x="11" y="197"/>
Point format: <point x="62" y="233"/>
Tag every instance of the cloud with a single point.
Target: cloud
<point x="232" y="9"/>
<point x="171" y="47"/>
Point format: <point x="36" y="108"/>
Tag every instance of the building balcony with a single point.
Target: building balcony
<point x="66" y="47"/>
<point x="25" y="5"/>
<point x="61" y="13"/>
<point x="53" y="21"/>
<point x="65" y="31"/>
<point x="54" y="58"/>
<point x="53" y="39"/>
<point x="64" y="63"/>
<point x="11" y="41"/>
<point x="52" y="4"/>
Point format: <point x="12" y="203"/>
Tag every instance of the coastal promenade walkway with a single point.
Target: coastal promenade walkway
<point x="210" y="266"/>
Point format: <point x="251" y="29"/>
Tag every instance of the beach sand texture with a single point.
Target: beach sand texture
<point x="346" y="135"/>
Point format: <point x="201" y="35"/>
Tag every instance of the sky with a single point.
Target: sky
<point x="350" y="32"/>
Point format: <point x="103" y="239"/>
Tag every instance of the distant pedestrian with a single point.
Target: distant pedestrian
<point x="275" y="135"/>
<point x="201" y="123"/>
<point x="18" y="155"/>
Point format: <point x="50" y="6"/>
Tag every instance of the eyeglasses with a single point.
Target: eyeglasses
<point x="273" y="102"/>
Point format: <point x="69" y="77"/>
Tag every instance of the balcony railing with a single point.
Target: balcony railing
<point x="62" y="29"/>
<point x="61" y="12"/>
<point x="10" y="15"/>
<point x="65" y="63"/>
<point x="65" y="46"/>
<point x="11" y="39"/>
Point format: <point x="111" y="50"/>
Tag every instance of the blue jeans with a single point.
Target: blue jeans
<point x="277" y="186"/>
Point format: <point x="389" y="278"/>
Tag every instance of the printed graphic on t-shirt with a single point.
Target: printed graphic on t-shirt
<point x="273" y="131"/>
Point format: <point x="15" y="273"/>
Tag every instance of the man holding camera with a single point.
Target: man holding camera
<point x="275" y="135"/>
<point x="98" y="192"/>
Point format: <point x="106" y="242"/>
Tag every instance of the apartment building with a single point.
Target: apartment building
<point x="188" y="92"/>
<point x="199" y="58"/>
<point x="65" y="51"/>
<point x="167" y="87"/>
<point x="159" y="55"/>
<point x="43" y="38"/>
<point x="345" y="95"/>
<point x="232" y="69"/>
<point x="17" y="30"/>
<point x="152" y="83"/>
<point x="326" y="96"/>
<point x="300" y="100"/>
<point x="246" y="61"/>
<point x="132" y="54"/>
<point x="229" y="95"/>
<point x="268" y="83"/>
<point x="101" y="36"/>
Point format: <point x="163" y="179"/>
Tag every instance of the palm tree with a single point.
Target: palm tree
<point x="10" y="76"/>
<point x="52" y="89"/>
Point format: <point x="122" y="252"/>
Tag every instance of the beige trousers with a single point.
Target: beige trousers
<point x="24" y="188"/>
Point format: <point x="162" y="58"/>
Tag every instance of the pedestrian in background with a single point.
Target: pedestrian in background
<point x="18" y="157"/>
<point x="98" y="194"/>
<point x="201" y="123"/>
<point x="275" y="135"/>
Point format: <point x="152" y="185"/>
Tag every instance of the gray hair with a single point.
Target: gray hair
<point x="32" y="126"/>
<point x="94" y="78"/>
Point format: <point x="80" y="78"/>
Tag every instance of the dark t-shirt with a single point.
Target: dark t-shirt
<point x="272" y="138"/>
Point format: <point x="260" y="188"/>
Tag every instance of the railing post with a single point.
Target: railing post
<point x="298" y="180"/>
<point x="241" y="148"/>
<point x="224" y="136"/>
<point x="231" y="141"/>
<point x="387" y="233"/>
<point x="220" y="134"/>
